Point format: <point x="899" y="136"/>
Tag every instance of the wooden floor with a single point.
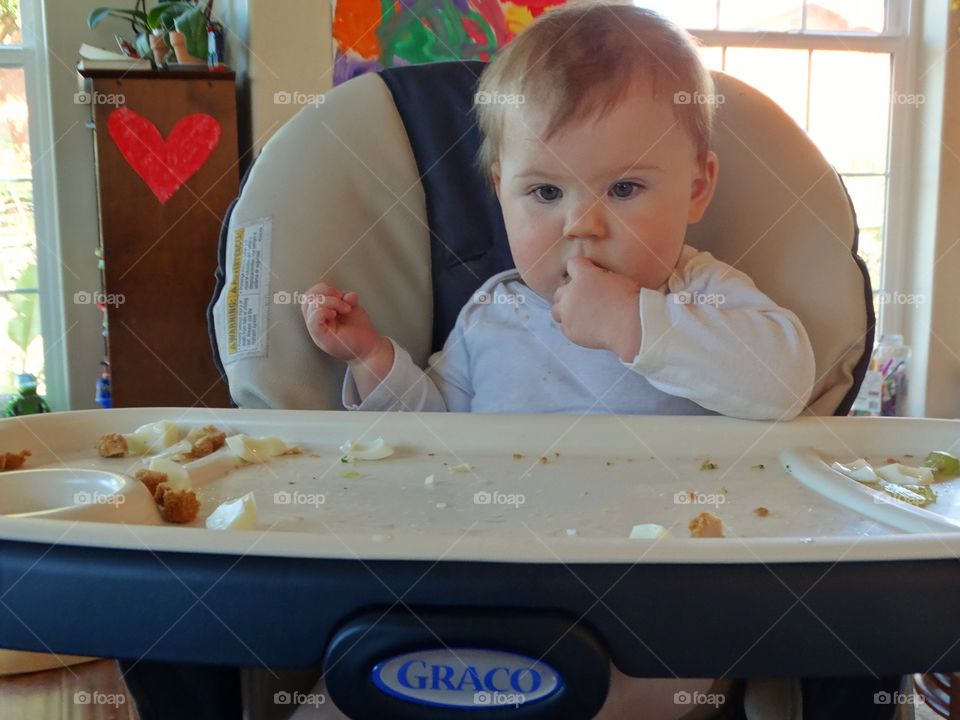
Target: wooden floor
<point x="88" y="691"/>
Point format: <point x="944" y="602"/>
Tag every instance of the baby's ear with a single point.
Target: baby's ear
<point x="703" y="187"/>
<point x="495" y="177"/>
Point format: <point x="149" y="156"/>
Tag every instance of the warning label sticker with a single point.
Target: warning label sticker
<point x="247" y="285"/>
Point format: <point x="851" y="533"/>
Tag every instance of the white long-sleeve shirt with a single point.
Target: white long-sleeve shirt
<point x="711" y="343"/>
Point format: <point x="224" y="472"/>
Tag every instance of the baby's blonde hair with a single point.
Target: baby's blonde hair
<point x="579" y="60"/>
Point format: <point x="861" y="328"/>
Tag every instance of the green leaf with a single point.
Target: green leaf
<point x="142" y="44"/>
<point x="164" y="14"/>
<point x="193" y="24"/>
<point x="96" y="16"/>
<point x="27" y="279"/>
<point x="24" y="326"/>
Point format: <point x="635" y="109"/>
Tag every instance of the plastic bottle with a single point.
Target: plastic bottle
<point x="26" y="402"/>
<point x="884" y="388"/>
<point x="103" y="386"/>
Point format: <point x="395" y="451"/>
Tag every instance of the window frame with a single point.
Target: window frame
<point x="900" y="42"/>
<point x="31" y="57"/>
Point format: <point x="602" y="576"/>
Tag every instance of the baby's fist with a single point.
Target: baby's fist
<point x="337" y="324"/>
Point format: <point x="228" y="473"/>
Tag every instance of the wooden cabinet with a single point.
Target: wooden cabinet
<point x="167" y="170"/>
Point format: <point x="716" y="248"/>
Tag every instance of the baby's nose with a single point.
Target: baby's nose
<point x="586" y="221"/>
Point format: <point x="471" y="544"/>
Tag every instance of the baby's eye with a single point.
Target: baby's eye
<point x="625" y="188"/>
<point x="547" y="193"/>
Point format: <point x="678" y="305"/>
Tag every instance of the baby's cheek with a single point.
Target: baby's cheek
<point x="535" y="268"/>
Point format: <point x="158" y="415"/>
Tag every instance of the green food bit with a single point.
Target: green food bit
<point x="350" y="474"/>
<point x="928" y="493"/>
<point x="707" y="465"/>
<point x="344" y="459"/>
<point x="758" y="466"/>
<point x="907" y="495"/>
<point x="942" y="462"/>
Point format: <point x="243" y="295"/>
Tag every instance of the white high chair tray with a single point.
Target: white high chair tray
<point x="815" y="574"/>
<point x="601" y="476"/>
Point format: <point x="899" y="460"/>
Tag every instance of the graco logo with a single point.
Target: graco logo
<point x="466" y="678"/>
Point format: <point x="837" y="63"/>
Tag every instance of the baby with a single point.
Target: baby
<point x="600" y="158"/>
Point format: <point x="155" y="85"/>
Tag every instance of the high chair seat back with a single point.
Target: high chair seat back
<point x="374" y="190"/>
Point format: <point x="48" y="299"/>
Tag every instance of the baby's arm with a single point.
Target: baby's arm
<point x="722" y="343"/>
<point x="380" y="374"/>
<point x="444" y="386"/>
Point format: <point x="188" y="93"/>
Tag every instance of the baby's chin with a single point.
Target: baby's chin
<point x="544" y="287"/>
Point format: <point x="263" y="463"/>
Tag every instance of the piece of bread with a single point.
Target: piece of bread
<point x="706" y="524"/>
<point x="210" y="440"/>
<point x="112" y="445"/>
<point x="177" y="506"/>
<point x="12" y="461"/>
<point x="150" y="478"/>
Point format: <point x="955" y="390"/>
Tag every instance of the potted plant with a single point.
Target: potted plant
<point x="180" y="23"/>
<point x="185" y="25"/>
<point x="137" y="19"/>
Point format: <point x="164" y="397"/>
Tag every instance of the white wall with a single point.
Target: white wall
<point x="942" y="391"/>
<point x="74" y="237"/>
<point x="291" y="51"/>
<point x="931" y="263"/>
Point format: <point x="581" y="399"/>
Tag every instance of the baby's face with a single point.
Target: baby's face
<point x="619" y="190"/>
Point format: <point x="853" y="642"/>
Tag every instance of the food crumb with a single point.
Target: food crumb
<point x="518" y="456"/>
<point x="891" y="460"/>
<point x="150" y="478"/>
<point x="112" y="445"/>
<point x="609" y="463"/>
<point x="543" y="460"/>
<point x="758" y="466"/>
<point x="462" y="467"/>
<point x="761" y="511"/>
<point x="176" y="506"/>
<point x="12" y="461"/>
<point x="706" y="524"/>
<point x="207" y="440"/>
<point x="707" y="465"/>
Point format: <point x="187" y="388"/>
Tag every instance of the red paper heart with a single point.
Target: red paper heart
<point x="164" y="165"/>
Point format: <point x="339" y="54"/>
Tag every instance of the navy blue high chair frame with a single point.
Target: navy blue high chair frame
<point x="434" y="104"/>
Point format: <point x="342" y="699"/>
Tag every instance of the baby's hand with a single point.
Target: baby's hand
<point x="599" y="309"/>
<point x="337" y="324"/>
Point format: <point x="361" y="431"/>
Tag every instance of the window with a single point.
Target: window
<point x="838" y="68"/>
<point x="21" y="339"/>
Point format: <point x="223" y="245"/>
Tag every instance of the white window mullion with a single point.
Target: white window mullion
<point x="797" y="41"/>
<point x="898" y="238"/>
<point x="32" y="58"/>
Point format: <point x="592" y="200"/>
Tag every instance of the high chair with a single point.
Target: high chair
<point x="372" y="188"/>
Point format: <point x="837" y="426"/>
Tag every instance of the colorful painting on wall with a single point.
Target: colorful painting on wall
<point x="371" y="35"/>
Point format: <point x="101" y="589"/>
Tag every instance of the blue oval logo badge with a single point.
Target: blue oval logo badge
<point x="466" y="678"/>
